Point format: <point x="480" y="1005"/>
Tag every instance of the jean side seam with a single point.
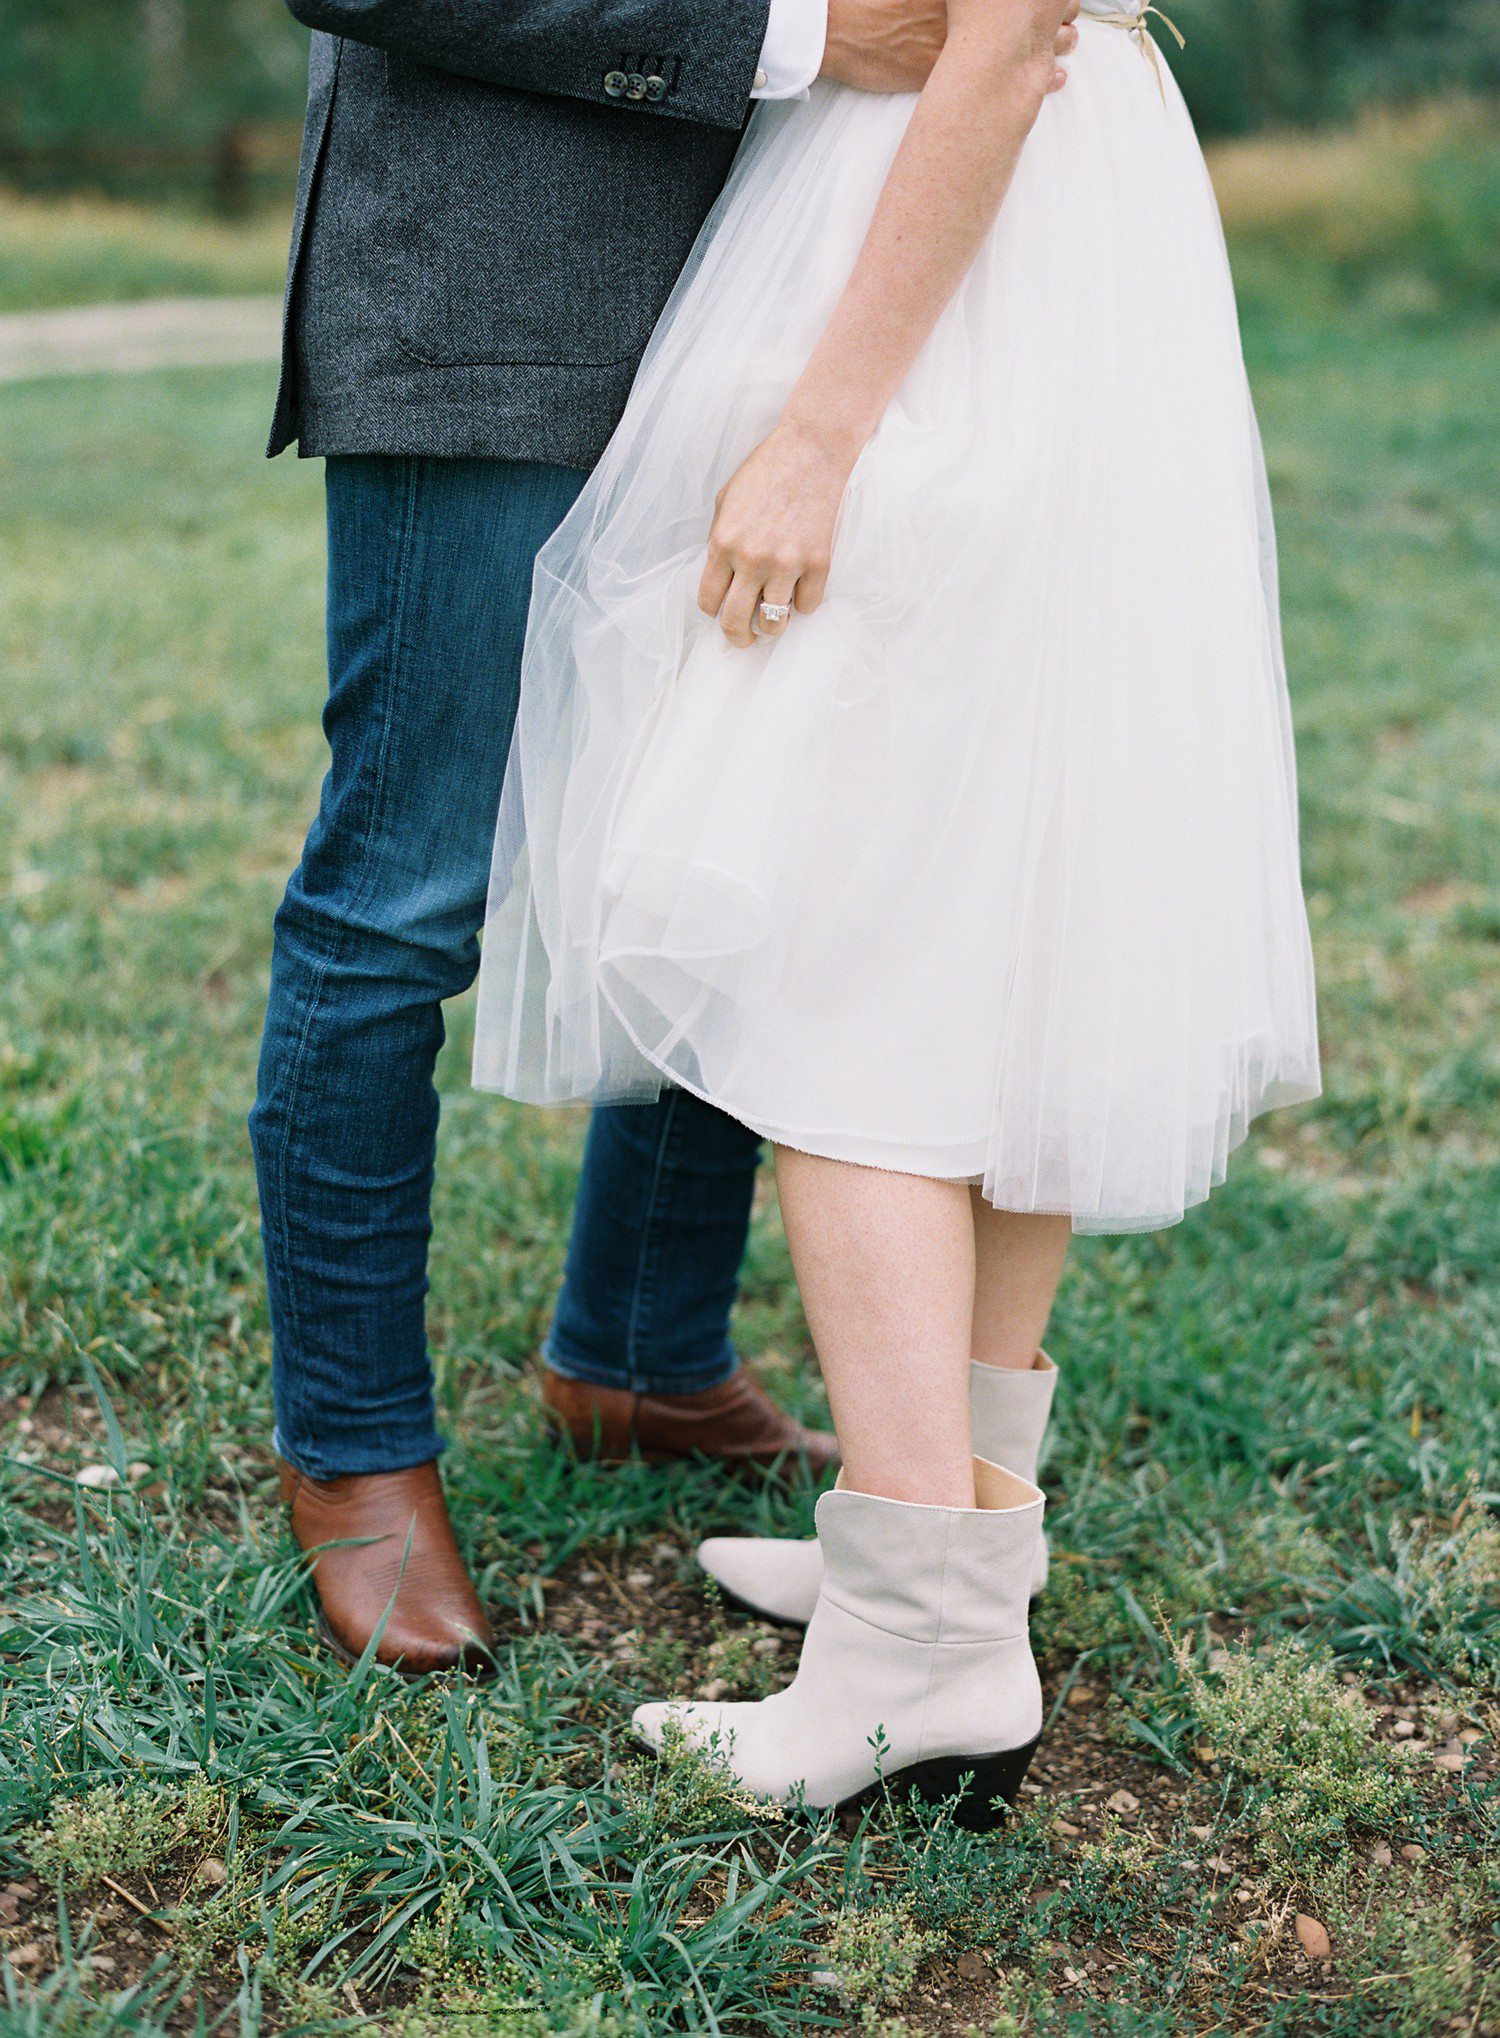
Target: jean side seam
<point x="338" y="947"/>
<point x="645" y="1267"/>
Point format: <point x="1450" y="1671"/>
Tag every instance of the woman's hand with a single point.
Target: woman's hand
<point x="772" y="534"/>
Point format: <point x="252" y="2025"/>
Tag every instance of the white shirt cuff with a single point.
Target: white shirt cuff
<point x="792" y="53"/>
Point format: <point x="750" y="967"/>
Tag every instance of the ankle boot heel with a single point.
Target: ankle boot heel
<point x="986" y="1786"/>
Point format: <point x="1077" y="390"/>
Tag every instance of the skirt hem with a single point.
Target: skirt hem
<point x="897" y="1157"/>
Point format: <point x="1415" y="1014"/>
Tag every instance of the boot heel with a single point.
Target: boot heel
<point x="989" y="1785"/>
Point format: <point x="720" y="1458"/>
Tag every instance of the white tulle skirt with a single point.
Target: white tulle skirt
<point x="988" y="870"/>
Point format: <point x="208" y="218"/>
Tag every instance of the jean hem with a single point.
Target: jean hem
<point x="359" y="1462"/>
<point x="570" y="1365"/>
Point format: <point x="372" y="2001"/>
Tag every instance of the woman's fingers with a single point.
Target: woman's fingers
<point x="751" y="590"/>
<point x="812" y="587"/>
<point x="737" y="616"/>
<point x="742" y="615"/>
<point x="1066" y="43"/>
<point x="712" y="588"/>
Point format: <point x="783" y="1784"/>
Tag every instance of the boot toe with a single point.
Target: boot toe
<point x="777" y="1577"/>
<point x="652" y="1724"/>
<point x="452" y="1646"/>
<point x="694" y="1726"/>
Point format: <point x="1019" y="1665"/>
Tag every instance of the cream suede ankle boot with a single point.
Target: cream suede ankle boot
<point x="916" y="1669"/>
<point x="778" y="1576"/>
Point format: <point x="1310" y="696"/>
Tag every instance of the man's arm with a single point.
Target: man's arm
<point x="683" y="58"/>
<point x="686" y="58"/>
<point x="875" y="45"/>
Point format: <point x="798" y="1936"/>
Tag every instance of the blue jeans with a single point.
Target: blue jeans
<point x="429" y="576"/>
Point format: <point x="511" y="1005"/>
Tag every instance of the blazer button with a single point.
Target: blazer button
<point x="656" y="88"/>
<point x="616" y="84"/>
<point x="635" y="86"/>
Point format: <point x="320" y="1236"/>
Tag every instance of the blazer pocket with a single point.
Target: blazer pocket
<point x="514" y="241"/>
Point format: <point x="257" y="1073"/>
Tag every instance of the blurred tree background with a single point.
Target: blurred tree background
<point x="1251" y="64"/>
<point x="201" y="97"/>
<point x="143" y="97"/>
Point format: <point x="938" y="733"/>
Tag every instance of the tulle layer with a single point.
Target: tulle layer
<point x="989" y="869"/>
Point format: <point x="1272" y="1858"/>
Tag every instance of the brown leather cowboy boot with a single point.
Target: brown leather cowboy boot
<point x="412" y="1566"/>
<point x="736" y="1422"/>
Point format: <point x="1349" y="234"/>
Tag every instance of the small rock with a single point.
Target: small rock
<point x="1064" y="1826"/>
<point x="1448" y="1723"/>
<point x="1244" y="1896"/>
<point x="24" y="1956"/>
<point x="1201" y="1832"/>
<point x="717" y="1687"/>
<point x="973" y="1967"/>
<point x="588" y="1577"/>
<point x="1403" y="1729"/>
<point x="24" y="1890"/>
<point x="1380" y="1854"/>
<point x="1450" y="1757"/>
<point x="138" y="1471"/>
<point x="1312" y="1937"/>
<point x="212" y="1872"/>
<point x="101" y="1963"/>
<point x="1469" y="1736"/>
<point x="768" y="1645"/>
<point x="1081" y="1694"/>
<point x="1123" y="1803"/>
<point x="99" y="1476"/>
<point x="1412" y="1852"/>
<point x="10" y="1908"/>
<point x="641" y="1580"/>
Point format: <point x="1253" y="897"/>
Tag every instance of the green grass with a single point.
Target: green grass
<point x="1274" y="1480"/>
<point x="58" y="252"/>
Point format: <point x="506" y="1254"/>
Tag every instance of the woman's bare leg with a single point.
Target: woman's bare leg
<point x="885" y="1263"/>
<point x="1018" y="1262"/>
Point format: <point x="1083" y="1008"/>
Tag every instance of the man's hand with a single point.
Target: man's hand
<point x="891" y="45"/>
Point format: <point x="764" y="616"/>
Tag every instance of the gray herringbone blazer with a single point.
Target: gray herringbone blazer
<point x="495" y="199"/>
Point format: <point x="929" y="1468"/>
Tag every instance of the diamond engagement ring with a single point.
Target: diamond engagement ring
<point x="774" y="613"/>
